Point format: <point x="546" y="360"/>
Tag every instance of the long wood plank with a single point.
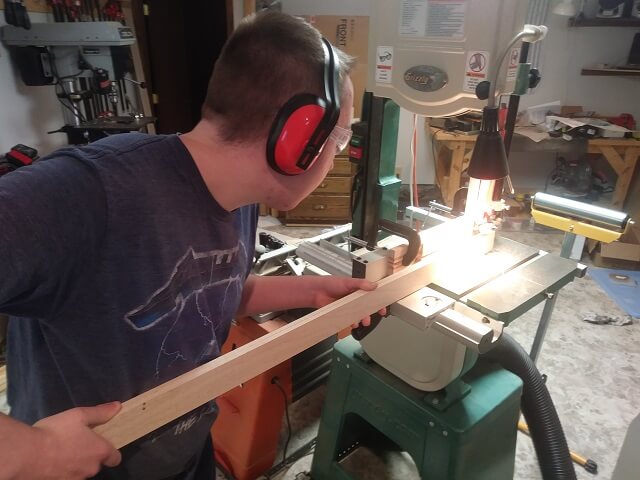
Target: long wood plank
<point x="3" y="378"/>
<point x="159" y="406"/>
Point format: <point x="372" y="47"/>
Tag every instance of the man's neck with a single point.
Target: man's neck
<point x="225" y="167"/>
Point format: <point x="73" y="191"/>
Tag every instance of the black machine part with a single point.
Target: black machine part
<point x="573" y="175"/>
<point x="538" y="410"/>
<point x="15" y="13"/>
<point x="34" y="65"/>
<point x="413" y="237"/>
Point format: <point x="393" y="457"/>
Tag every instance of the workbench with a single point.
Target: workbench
<point x="453" y="151"/>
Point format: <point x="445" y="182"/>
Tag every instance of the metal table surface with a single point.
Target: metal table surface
<point x="508" y="281"/>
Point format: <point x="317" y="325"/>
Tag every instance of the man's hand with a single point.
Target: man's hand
<point x="331" y="288"/>
<point x="65" y="447"/>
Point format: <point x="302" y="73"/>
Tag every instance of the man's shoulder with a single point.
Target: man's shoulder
<point x="117" y="146"/>
<point x="113" y="155"/>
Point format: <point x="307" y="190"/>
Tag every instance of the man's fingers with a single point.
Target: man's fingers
<point x="382" y="311"/>
<point x="361" y="284"/>
<point x="365" y="322"/>
<point x="114" y="458"/>
<point x="93" y="416"/>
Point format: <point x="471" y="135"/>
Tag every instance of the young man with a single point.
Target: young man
<point x="123" y="262"/>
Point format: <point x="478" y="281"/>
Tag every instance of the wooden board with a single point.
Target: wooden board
<point x="161" y="405"/>
<point x="3" y="378"/>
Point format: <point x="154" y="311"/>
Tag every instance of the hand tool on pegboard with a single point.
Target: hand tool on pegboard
<point x="15" y="13"/>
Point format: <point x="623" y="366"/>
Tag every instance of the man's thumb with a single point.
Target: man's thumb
<point x="100" y="413"/>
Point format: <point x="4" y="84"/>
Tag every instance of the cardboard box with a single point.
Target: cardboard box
<point x="622" y="254"/>
<point x="351" y="35"/>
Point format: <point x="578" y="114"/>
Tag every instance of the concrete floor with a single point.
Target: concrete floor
<point x="592" y="370"/>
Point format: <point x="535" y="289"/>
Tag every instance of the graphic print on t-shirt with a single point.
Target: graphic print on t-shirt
<point x="192" y="306"/>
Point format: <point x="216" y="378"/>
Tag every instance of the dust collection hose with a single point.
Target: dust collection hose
<point x="538" y="410"/>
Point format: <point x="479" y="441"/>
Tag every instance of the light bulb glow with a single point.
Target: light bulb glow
<point x="478" y="209"/>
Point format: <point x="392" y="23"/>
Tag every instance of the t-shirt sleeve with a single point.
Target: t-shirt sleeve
<point x="52" y="216"/>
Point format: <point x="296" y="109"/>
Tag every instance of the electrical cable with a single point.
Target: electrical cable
<point x="307" y="449"/>
<point x="275" y="381"/>
<point x="414" y="146"/>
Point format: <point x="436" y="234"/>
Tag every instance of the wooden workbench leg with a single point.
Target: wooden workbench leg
<point x="624" y="179"/>
<point x="624" y="168"/>
<point x="455" y="172"/>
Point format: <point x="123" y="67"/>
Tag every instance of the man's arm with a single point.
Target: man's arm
<point x="268" y="294"/>
<point x="60" y="446"/>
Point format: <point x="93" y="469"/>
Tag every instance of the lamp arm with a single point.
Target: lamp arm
<point x="530" y="33"/>
<point x="494" y="80"/>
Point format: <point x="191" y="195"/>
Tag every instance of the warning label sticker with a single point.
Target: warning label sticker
<point x="413" y="18"/>
<point x="475" y="70"/>
<point x="384" y="64"/>
<point x="432" y="18"/>
<point x="514" y="59"/>
<point x="446" y="18"/>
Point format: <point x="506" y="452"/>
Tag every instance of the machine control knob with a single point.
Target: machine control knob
<point x="482" y="90"/>
<point x="534" y="77"/>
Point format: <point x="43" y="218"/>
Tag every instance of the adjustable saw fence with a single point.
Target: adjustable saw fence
<point x="159" y="406"/>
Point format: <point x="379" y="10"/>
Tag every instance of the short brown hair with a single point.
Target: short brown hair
<point x="268" y="59"/>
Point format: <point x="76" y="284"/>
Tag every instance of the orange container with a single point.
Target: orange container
<point x="247" y="430"/>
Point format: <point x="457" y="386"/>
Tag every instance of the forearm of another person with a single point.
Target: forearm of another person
<point x="268" y="294"/>
<point x="61" y="446"/>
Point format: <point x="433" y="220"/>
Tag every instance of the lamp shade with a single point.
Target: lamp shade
<point x="489" y="158"/>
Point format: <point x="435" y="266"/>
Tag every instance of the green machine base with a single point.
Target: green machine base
<point x="473" y="439"/>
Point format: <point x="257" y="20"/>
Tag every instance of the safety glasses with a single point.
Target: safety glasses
<point x="341" y="137"/>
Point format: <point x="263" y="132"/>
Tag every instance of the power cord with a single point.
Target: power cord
<point x="276" y="381"/>
<point x="304" y="451"/>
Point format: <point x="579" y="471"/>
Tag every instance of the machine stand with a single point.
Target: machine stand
<point x="452" y="393"/>
<point x="474" y="438"/>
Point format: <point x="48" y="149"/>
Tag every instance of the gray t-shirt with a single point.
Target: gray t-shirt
<point x="120" y="272"/>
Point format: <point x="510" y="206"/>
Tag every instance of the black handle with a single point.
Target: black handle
<point x="361" y="331"/>
<point x="407" y="232"/>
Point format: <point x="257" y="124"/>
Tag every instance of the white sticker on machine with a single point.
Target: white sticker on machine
<point x="475" y="70"/>
<point x="432" y="18"/>
<point x="413" y="18"/>
<point x="446" y="18"/>
<point x="384" y="64"/>
<point x="514" y="60"/>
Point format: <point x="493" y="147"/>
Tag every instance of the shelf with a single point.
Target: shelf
<point x="610" y="72"/>
<point x="604" y="22"/>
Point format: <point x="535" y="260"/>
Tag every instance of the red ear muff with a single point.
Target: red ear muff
<point x="291" y="151"/>
<point x="303" y="124"/>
